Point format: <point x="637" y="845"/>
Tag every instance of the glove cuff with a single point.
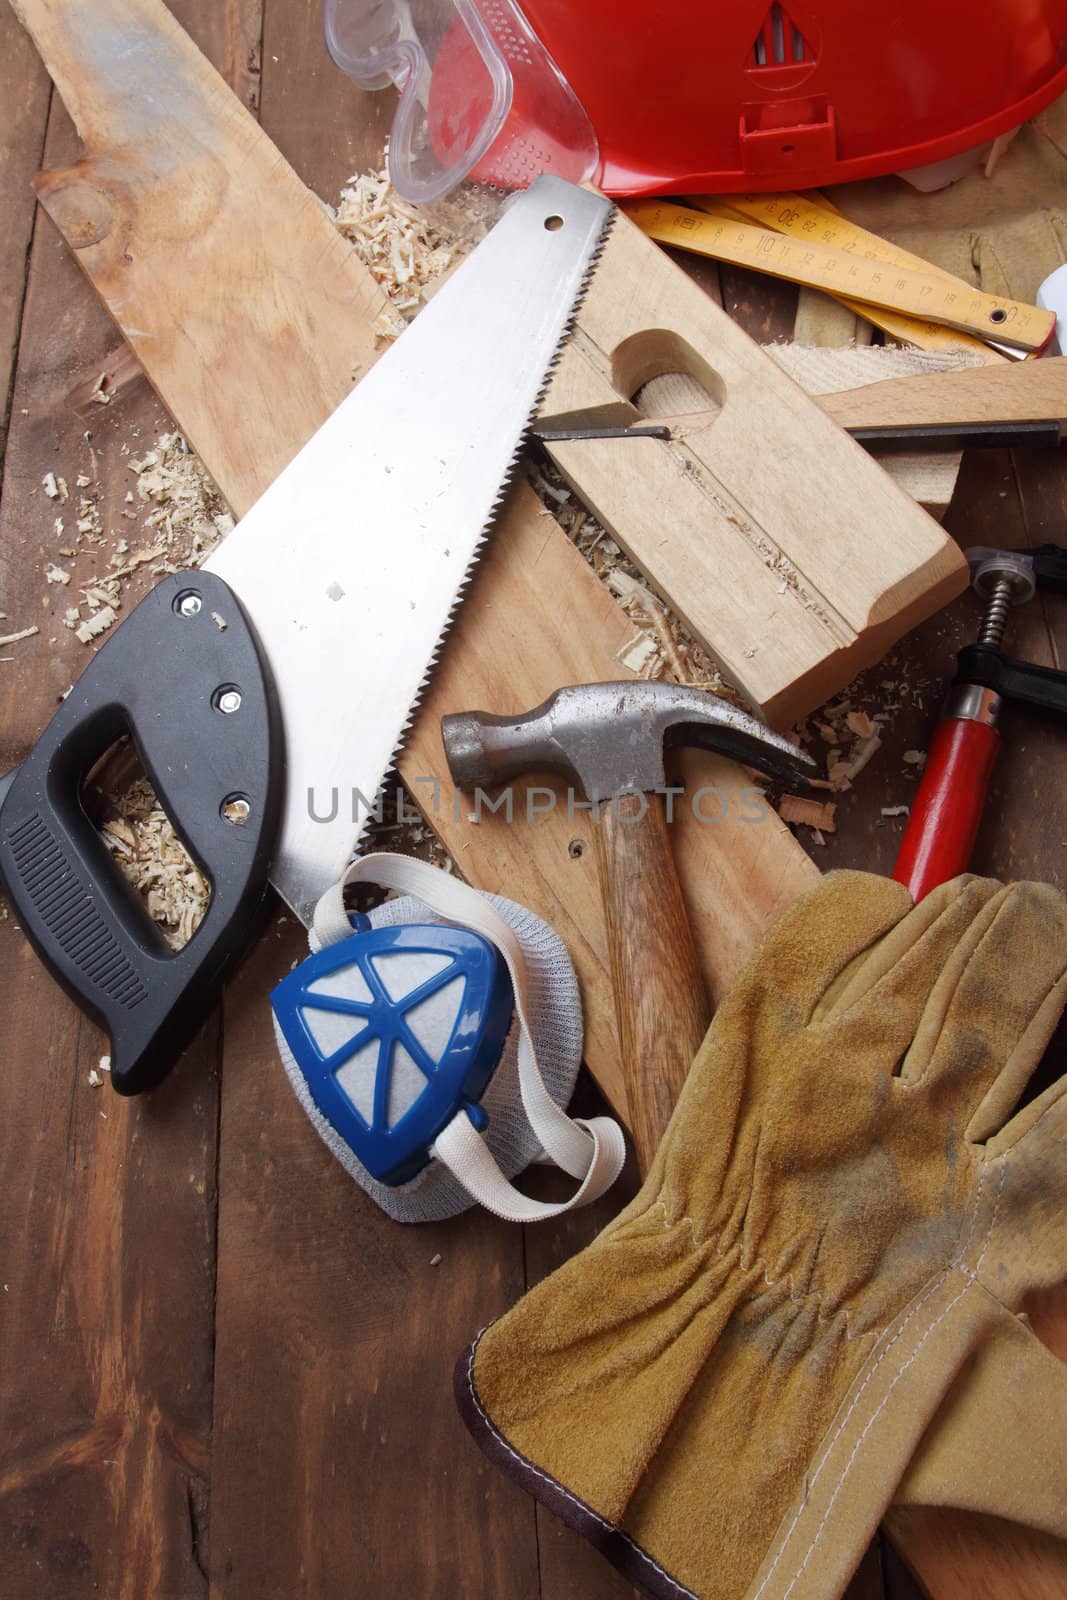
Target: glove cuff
<point x="853" y="1474"/>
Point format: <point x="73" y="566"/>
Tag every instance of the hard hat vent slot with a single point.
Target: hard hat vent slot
<point x="781" y="42"/>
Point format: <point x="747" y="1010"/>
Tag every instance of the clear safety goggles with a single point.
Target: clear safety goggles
<point x="480" y="96"/>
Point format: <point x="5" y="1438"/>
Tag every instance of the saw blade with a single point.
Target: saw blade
<point x="351" y="565"/>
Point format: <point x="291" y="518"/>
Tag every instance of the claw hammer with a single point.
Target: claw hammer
<point x="609" y="740"/>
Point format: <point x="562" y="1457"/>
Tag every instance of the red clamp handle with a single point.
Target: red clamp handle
<point x="945" y="817"/>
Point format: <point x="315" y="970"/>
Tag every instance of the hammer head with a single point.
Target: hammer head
<point x="609" y="738"/>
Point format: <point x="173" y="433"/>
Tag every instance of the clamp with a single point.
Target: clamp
<point x="947" y="812"/>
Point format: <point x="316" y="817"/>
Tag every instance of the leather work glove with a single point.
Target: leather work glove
<point x="725" y="1390"/>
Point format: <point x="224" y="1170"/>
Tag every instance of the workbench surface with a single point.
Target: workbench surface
<point x="221" y="1369"/>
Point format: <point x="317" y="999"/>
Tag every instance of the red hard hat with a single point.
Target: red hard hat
<point x="690" y="97"/>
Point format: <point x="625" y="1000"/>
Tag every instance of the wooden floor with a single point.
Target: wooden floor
<point x="221" y="1370"/>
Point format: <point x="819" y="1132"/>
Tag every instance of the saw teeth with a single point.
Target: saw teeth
<point x="505" y="484"/>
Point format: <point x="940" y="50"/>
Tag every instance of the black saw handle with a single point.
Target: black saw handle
<point x="184" y="676"/>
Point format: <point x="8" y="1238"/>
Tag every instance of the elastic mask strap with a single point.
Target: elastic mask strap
<point x="591" y="1150"/>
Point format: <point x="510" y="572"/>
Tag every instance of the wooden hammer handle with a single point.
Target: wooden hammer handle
<point x="661" y="1001"/>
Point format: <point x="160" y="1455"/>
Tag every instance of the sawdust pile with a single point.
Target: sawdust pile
<point x="141" y="840"/>
<point x="408" y="250"/>
<point x="661" y="647"/>
<point x="186" y="515"/>
<point x="174" y="514"/>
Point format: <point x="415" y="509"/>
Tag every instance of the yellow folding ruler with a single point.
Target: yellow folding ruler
<point x="814" y="245"/>
<point x="801" y="215"/>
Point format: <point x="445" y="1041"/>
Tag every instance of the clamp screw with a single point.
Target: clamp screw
<point x="228" y="701"/>
<point x="1003" y="580"/>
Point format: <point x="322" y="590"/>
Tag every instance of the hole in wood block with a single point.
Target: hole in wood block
<point x="665" y="378"/>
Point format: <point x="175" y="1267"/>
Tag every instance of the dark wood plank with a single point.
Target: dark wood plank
<point x="108" y="1237"/>
<point x="108" y="1246"/>
<point x="765" y="307"/>
<point x="980" y="1557"/>
<point x="326" y="126"/>
<point x="341" y="1466"/>
<point x="24" y="97"/>
<point x="336" y="1334"/>
<point x="868" y="1581"/>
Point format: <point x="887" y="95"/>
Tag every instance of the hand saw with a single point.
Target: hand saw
<point x="267" y="692"/>
<point x="925" y="295"/>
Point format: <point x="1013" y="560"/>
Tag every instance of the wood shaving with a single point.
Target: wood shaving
<point x="184" y="516"/>
<point x="408" y="250"/>
<point x="843" y="773"/>
<point x="95" y="625"/>
<point x="187" y="515"/>
<point x="638" y="653"/>
<point x="662" y="648"/>
<point x="13" y="638"/>
<point x="150" y="855"/>
<point x="817" y="814"/>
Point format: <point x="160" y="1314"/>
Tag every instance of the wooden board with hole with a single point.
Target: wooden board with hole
<point x="788" y="552"/>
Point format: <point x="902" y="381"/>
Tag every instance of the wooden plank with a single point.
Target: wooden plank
<point x="958" y="1554"/>
<point x="764" y="307"/>
<point x="107" y="1245"/>
<point x="291" y="271"/>
<point x="24" y="98"/>
<point x="341" y="1466"/>
<point x="1027" y="391"/>
<point x="824" y="372"/>
<point x="165" y="294"/>
<point x="756" y="526"/>
<point x="328" y="128"/>
<point x="336" y="1333"/>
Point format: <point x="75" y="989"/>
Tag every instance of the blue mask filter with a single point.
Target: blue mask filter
<point x="396" y="1030"/>
<point x="434" y="1045"/>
